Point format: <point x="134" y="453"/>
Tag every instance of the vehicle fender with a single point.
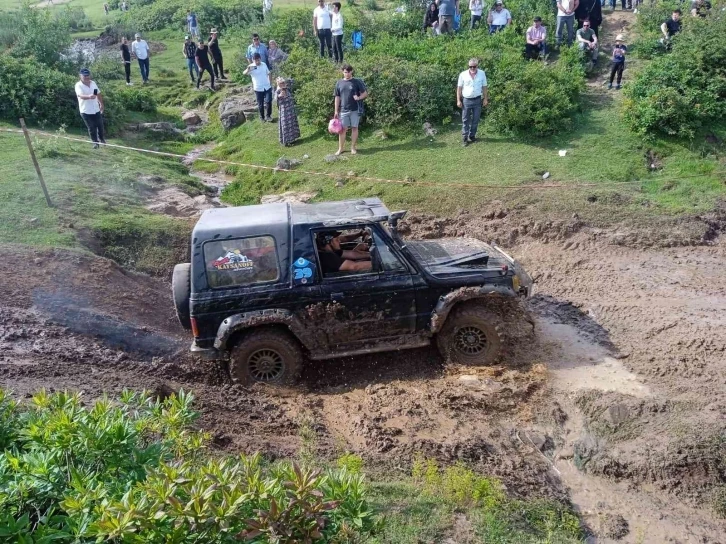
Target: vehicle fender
<point x="246" y="320"/>
<point x="447" y="302"/>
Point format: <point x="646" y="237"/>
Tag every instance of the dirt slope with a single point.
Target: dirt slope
<point x="617" y="403"/>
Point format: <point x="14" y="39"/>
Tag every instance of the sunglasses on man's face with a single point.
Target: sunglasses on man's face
<point x="473" y="67"/>
<point x="585" y="25"/>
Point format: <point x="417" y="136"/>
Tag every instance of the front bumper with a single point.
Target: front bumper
<point x="526" y="285"/>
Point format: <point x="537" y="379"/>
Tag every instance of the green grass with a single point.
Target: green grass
<point x="98" y="198"/>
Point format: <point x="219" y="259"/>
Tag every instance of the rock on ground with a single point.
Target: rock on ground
<point x="191" y="118"/>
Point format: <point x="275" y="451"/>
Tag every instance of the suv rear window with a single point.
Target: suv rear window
<point x="242" y="261"/>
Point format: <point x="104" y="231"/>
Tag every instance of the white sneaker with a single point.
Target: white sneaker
<point x="129" y="84"/>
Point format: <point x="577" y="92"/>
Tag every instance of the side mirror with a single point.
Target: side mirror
<point x="395" y="217"/>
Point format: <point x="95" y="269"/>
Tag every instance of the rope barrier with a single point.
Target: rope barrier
<point x="363" y="178"/>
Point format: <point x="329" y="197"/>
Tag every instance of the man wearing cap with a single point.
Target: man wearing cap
<point x="141" y="49"/>
<point x="471" y="94"/>
<point x="90" y="104"/>
<point x="618" y="61"/>
<point x="447" y="10"/>
<point x="216" y="54"/>
<point x="536" y="35"/>
<point x="189" y="50"/>
<point x="335" y="259"/>
<point x="257" y="47"/>
<point x="499" y="17"/>
<point x="262" y="85"/>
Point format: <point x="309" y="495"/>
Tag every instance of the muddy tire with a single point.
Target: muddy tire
<point x="266" y="356"/>
<point x="471" y="335"/>
<point x="181" y="288"/>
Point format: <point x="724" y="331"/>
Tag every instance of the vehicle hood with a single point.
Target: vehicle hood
<point x="465" y="253"/>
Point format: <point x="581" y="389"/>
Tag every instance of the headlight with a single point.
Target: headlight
<point x="515" y="283"/>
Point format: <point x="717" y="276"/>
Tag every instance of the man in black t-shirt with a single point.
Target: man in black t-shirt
<point x="126" y="59"/>
<point x="202" y="59"/>
<point x="671" y="27"/>
<point x="349" y="95"/>
<point x="216" y="53"/>
<point x="335" y="259"/>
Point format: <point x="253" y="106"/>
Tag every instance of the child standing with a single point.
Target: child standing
<point x="618" y="61"/>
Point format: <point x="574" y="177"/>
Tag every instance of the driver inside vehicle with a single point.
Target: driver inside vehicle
<point x="333" y="258"/>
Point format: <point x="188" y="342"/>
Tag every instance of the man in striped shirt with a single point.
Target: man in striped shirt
<point x="536" y="35"/>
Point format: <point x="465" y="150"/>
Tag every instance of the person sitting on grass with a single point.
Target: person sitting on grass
<point x="498" y="18"/>
<point x="618" y="61"/>
<point x="536" y="35"/>
<point x="587" y="40"/>
<point x="431" y="19"/>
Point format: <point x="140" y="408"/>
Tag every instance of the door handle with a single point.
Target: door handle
<point x="336" y="296"/>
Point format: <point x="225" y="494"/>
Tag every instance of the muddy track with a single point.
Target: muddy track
<point x="618" y="402"/>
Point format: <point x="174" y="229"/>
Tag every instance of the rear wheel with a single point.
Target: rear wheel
<point x="472" y="335"/>
<point x="181" y="288"/>
<point x="266" y="356"/>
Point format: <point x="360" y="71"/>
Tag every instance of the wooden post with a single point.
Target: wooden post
<point x="35" y="162"/>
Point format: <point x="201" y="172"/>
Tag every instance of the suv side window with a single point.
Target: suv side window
<point x="389" y="261"/>
<point x="241" y="261"/>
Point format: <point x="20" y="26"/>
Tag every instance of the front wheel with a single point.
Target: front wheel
<point x="266" y="356"/>
<point x="472" y="335"/>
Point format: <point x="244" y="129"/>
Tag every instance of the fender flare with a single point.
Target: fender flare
<point x="447" y="302"/>
<point x="246" y="320"/>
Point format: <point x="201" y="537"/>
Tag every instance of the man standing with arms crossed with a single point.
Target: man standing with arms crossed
<point x="322" y="24"/>
<point x="90" y="105"/>
<point x="471" y="95"/>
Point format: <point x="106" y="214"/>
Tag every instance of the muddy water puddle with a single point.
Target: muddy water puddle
<point x="215" y="180"/>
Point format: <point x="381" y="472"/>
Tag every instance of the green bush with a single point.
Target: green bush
<point x="38" y="93"/>
<point x="135" y="99"/>
<point x="41" y="36"/>
<point x="679" y="93"/>
<point x="221" y="14"/>
<point x="133" y="471"/>
<point x="74" y="18"/>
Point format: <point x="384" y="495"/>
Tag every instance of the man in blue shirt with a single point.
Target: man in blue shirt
<point x="192" y="22"/>
<point x="256" y="47"/>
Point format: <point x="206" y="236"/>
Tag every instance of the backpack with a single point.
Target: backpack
<point x="357" y="39"/>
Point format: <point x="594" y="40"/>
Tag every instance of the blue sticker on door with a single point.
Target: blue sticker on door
<point x="302" y="271"/>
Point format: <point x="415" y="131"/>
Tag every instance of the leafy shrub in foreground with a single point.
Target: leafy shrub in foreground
<point x="133" y="471"/>
<point x="212" y="13"/>
<point x="41" y="36"/>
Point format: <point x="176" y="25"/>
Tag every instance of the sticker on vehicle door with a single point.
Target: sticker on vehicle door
<point x="302" y="271"/>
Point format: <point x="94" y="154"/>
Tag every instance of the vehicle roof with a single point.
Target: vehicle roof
<point x="257" y="219"/>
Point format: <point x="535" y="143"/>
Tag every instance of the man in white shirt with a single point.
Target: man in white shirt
<point x="141" y="49"/>
<point x="337" y="31"/>
<point x="566" y="17"/>
<point x="498" y="18"/>
<point x="262" y="85"/>
<point x="90" y="104"/>
<point x="322" y="23"/>
<point x="471" y="95"/>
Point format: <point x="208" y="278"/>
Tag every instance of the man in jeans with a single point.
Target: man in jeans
<point x="90" y="105"/>
<point x="447" y="10"/>
<point x="189" y="49"/>
<point x="566" y="18"/>
<point x="141" y="49"/>
<point x="262" y="85"/>
<point x="322" y="24"/>
<point x="471" y="95"/>
<point x="349" y="92"/>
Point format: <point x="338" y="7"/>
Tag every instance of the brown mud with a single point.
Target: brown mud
<point x="617" y="403"/>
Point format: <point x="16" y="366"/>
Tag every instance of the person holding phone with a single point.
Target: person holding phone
<point x="217" y="61"/>
<point x="90" y="104"/>
<point x="262" y="85"/>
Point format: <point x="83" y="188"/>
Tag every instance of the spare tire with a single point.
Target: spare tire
<point x="181" y="288"/>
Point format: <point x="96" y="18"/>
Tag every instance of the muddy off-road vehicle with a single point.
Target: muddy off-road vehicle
<point x="258" y="293"/>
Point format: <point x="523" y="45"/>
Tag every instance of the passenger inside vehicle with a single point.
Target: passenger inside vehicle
<point x="334" y="258"/>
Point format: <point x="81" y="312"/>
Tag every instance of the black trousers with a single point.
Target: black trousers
<point x="206" y="68"/>
<point x="94" y="123"/>
<point x="326" y="37"/>
<point x="338" y="48"/>
<point x="127" y="69"/>
<point x="264" y="103"/>
<point x="218" y="66"/>
<point x="617" y="68"/>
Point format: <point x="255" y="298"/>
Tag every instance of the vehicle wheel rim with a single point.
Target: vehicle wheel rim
<point x="265" y="365"/>
<point x="470" y="341"/>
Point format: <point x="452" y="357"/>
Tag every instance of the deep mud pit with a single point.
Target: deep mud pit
<point x="618" y="403"/>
